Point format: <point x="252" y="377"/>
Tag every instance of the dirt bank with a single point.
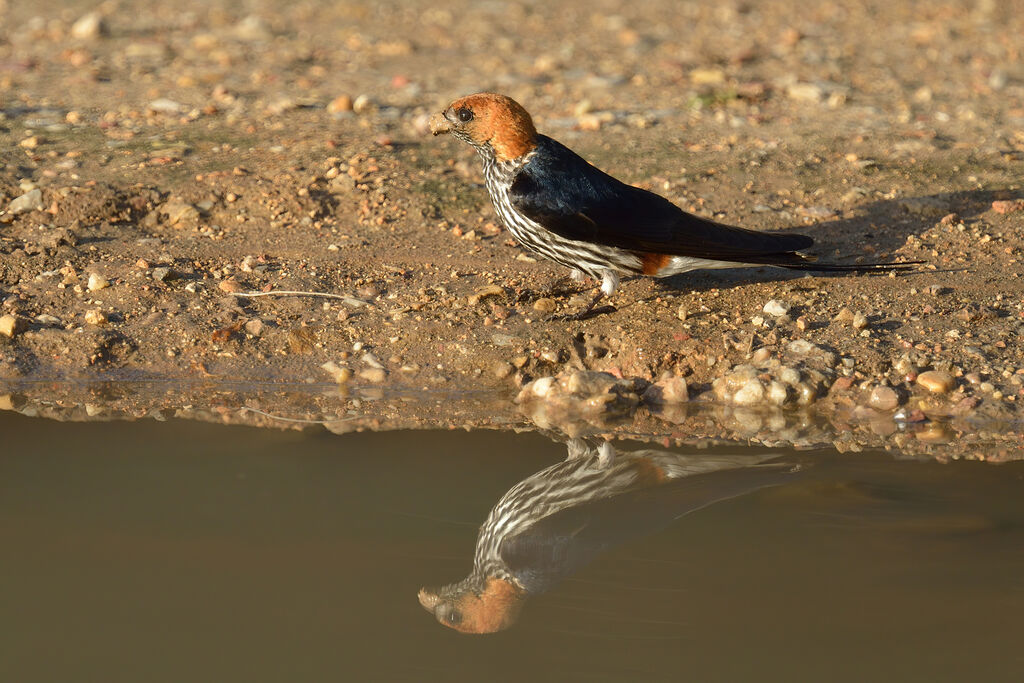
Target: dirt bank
<point x="156" y="161"/>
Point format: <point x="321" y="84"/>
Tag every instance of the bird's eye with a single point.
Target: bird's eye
<point x="453" y="617"/>
<point x="465" y="115"/>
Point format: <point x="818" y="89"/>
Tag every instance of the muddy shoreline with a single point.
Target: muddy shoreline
<point x="155" y="164"/>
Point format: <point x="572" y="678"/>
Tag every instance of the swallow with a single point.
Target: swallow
<point x="562" y="208"/>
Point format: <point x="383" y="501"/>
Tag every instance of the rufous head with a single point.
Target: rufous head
<point x="491" y="606"/>
<point x="490" y="122"/>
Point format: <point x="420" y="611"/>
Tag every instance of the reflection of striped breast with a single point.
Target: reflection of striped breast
<point x="565" y="485"/>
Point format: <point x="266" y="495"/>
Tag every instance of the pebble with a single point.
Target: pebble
<point x="373" y="375"/>
<point x="341" y="103"/>
<point x="883" y="399"/>
<point x="751" y="393"/>
<point x="163" y="105"/>
<point x="776" y="308"/>
<point x="179" y="212"/>
<point x="230" y="286"/>
<point x="95" y="316"/>
<point x="578" y="395"/>
<point x="667" y="391"/>
<point x="164" y="273"/>
<point x="845" y="316"/>
<point x="501" y="369"/>
<point x="97" y="281"/>
<point x="338" y="373"/>
<point x="11" y="325"/>
<point x="89" y="26"/>
<point x="924" y="206"/>
<point x="545" y="306"/>
<point x="937" y="381"/>
<point x="1008" y="205"/>
<point x="859" y="322"/>
<point x="30" y="201"/>
<point x="682" y="313"/>
<point x="255" y="327"/>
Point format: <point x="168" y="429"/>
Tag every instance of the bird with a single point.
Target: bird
<point x="560" y="207"/>
<point x="551" y="524"/>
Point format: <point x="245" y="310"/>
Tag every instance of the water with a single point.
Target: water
<point x="181" y="551"/>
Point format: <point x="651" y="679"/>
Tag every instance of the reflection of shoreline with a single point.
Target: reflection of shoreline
<point x="553" y="523"/>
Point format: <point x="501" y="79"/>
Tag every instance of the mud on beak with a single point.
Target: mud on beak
<point x="439" y="124"/>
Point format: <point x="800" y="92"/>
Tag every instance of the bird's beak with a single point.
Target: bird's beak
<point x="439" y="124"/>
<point x="428" y="598"/>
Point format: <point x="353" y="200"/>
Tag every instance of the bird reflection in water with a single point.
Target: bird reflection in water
<point x="553" y="523"/>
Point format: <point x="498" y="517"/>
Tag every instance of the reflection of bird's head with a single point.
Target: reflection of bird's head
<point x="475" y="606"/>
<point x="495" y="124"/>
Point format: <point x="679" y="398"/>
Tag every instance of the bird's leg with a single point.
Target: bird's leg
<point x="609" y="283"/>
<point x="575" y="275"/>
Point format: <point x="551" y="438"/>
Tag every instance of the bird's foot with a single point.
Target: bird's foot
<point x="589" y="311"/>
<point x="564" y="285"/>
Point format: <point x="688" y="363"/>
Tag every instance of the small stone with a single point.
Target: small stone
<point x="338" y="373"/>
<point x="777" y="393"/>
<point x="682" y="313"/>
<point x="544" y="306"/>
<point x="162" y="105"/>
<point x="230" y="286"/>
<point x="373" y="375"/>
<point x="89" y="27"/>
<point x="859" y="322"/>
<point x="924" y="206"/>
<point x="937" y="381"/>
<point x="30" y="201"/>
<point x="31" y="142"/>
<point x="501" y="369"/>
<point x="339" y="104"/>
<point x="751" y="393"/>
<point x="884" y="399"/>
<point x="179" y="212"/>
<point x="254" y="327"/>
<point x="97" y="281"/>
<point x="11" y="325"/>
<point x="164" y="273"/>
<point x="362" y="103"/>
<point x="845" y="316"/>
<point x="776" y="308"/>
<point x="542" y="387"/>
<point x="805" y="92"/>
<point x="1005" y="206"/>
<point x="95" y="316"/>
<point x="669" y="390"/>
<point x="802" y="323"/>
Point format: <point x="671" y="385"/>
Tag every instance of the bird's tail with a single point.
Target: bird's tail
<point x="809" y="264"/>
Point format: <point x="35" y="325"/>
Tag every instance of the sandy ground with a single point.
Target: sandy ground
<point x="157" y="160"/>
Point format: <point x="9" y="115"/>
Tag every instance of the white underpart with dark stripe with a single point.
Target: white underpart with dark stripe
<point x="584" y="258"/>
<point x="596" y="260"/>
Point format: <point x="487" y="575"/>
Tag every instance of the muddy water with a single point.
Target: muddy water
<point x="182" y="551"/>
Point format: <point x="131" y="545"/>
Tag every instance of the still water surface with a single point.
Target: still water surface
<point x="183" y="551"/>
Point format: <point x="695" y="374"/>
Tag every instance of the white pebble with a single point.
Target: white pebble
<point x="776" y="308"/>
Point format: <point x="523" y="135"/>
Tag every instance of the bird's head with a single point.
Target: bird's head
<point x="468" y="607"/>
<point x="494" y="124"/>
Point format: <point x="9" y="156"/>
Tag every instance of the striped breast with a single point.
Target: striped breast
<point x="592" y="259"/>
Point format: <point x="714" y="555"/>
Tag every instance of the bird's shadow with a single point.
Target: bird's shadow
<point x="872" y="232"/>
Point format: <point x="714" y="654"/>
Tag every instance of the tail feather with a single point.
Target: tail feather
<point x="801" y="262"/>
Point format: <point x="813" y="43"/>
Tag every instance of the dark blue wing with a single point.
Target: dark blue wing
<point x="561" y="191"/>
